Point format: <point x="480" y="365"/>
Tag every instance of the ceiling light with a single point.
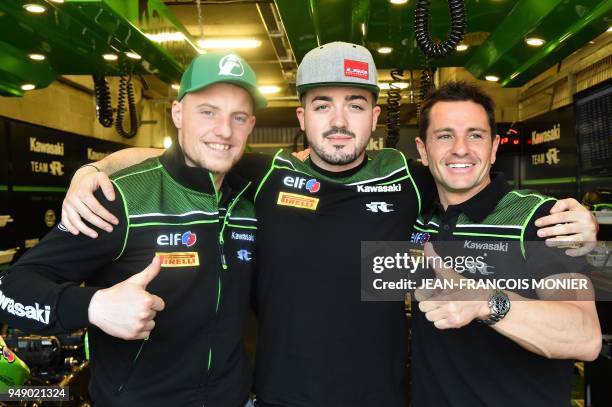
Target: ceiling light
<point x="398" y="1"/>
<point x="534" y="41"/>
<point x="492" y="78"/>
<point x="133" y="55"/>
<point x="175" y="86"/>
<point x="386" y="85"/>
<point x="166" y="37"/>
<point x="229" y="43"/>
<point x="37" y="57"/>
<point x="110" y="57"/>
<point x="28" y="86"/>
<point x="268" y="89"/>
<point x="462" y="47"/>
<point x="385" y="50"/>
<point x="34" y="8"/>
<point x="58" y="1"/>
<point x="167" y="141"/>
<point x="609" y="29"/>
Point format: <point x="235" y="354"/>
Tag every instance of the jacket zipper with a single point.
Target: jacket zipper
<point x="223" y="259"/>
<point x="132" y="367"/>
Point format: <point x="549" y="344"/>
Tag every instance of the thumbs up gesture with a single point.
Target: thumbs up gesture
<point x="126" y="310"/>
<point x="450" y="308"/>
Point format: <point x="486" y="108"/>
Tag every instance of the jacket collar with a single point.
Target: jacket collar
<point x="478" y="207"/>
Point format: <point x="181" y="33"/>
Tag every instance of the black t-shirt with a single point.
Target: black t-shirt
<point x="319" y="344"/>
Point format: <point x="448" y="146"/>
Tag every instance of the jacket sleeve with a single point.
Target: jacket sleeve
<point x="543" y="261"/>
<point x="42" y="292"/>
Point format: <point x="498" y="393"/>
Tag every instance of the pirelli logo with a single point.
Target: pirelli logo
<point x="298" y="201"/>
<point x="179" y="259"/>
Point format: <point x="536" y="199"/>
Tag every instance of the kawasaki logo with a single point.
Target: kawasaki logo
<point x="379" y="188"/>
<point x="249" y="237"/>
<point x="34" y="312"/>
<point x="498" y="247"/>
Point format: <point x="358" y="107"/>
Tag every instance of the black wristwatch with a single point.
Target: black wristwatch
<point x="499" y="305"/>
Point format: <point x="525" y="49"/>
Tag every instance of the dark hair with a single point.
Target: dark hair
<point x="456" y="92"/>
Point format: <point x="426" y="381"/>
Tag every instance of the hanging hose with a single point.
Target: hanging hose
<point x="104" y="110"/>
<point x="394" y="97"/>
<point x="428" y="46"/>
<point x="125" y="86"/>
<point x="426" y="84"/>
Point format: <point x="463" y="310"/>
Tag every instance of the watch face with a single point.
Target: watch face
<point x="500" y="304"/>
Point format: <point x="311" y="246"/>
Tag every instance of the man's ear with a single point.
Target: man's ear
<point x="420" y="144"/>
<point x="375" y="114"/>
<point x="177" y="114"/>
<point x="494" y="149"/>
<point x="300" y="112"/>
<point x="252" y="121"/>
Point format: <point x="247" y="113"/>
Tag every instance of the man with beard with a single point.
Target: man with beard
<point x="319" y="344"/>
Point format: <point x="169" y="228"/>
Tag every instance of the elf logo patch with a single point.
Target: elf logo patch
<point x="356" y="69"/>
<point x="179" y="259"/>
<point x="419" y="238"/>
<point x="312" y="185"/>
<point x="231" y="65"/>
<point x="186" y="239"/>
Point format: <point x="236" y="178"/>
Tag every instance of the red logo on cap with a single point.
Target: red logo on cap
<point x="356" y="69"/>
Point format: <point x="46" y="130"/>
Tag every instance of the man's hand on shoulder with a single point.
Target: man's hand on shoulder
<point x="80" y="203"/>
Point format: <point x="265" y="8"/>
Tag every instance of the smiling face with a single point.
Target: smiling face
<point x="213" y="125"/>
<point x="338" y="122"/>
<point x="458" y="149"/>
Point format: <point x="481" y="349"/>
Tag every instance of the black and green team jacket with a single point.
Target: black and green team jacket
<point x="475" y="365"/>
<point x="319" y="344"/>
<point x="195" y="354"/>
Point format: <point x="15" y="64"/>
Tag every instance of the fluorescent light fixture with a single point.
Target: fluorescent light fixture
<point x="385" y="50"/>
<point x="166" y="37"/>
<point x="133" y="55"/>
<point x="398" y="1"/>
<point x="110" y="57"/>
<point x="269" y="89"/>
<point x="34" y="8"/>
<point x="462" y="47"/>
<point x="167" y="141"/>
<point x="386" y="85"/>
<point x="534" y="41"/>
<point x="37" y="57"/>
<point x="492" y="78"/>
<point x="175" y="86"/>
<point x="231" y="43"/>
<point x="28" y="86"/>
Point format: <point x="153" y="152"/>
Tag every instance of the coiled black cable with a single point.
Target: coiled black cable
<point x="428" y="46"/>
<point x="125" y="86"/>
<point x="426" y="84"/>
<point x="104" y="109"/>
<point x="394" y="97"/>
